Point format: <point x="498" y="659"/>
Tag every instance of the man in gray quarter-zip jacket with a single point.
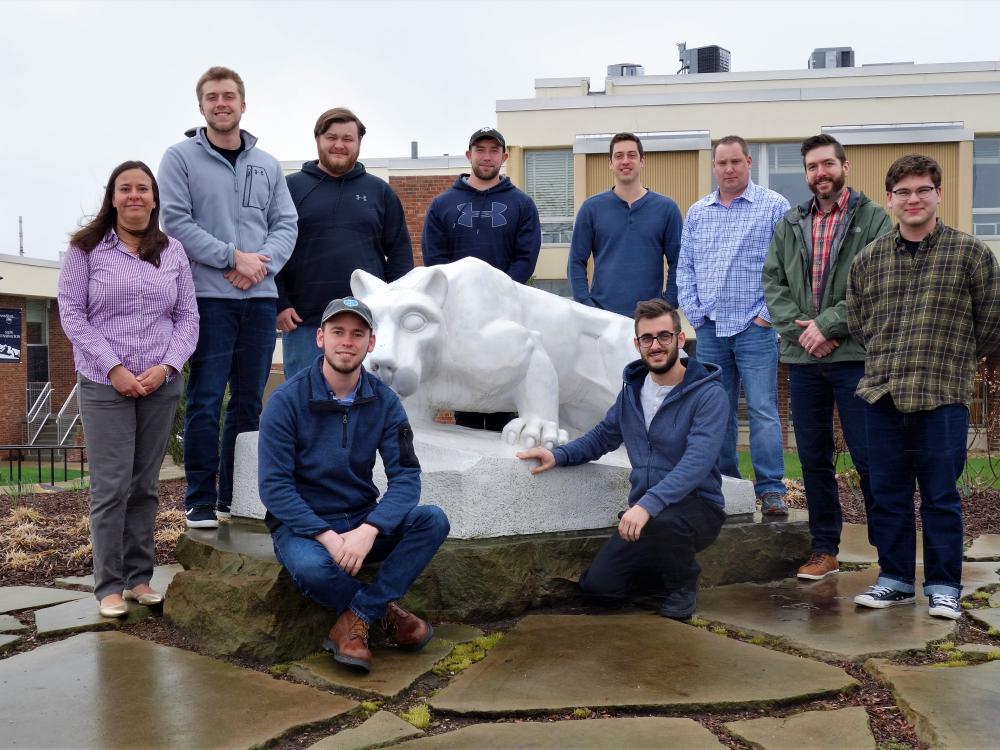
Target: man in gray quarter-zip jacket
<point x="805" y="286"/>
<point x="228" y="204"/>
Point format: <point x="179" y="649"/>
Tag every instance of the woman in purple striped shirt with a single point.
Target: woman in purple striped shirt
<point x="126" y="302"/>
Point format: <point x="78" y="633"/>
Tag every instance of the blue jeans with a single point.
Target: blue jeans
<point x="814" y="389"/>
<point x="751" y="358"/>
<point x="926" y="448"/>
<point x="235" y="345"/>
<point x="298" y="349"/>
<point x="403" y="555"/>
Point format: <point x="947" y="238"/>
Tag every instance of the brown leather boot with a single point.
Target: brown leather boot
<point x="405" y="629"/>
<point x="348" y="641"/>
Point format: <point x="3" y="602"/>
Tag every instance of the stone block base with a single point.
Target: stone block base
<point x="233" y="598"/>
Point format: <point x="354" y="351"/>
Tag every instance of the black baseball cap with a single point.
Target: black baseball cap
<point x="351" y="305"/>
<point x="488" y="133"/>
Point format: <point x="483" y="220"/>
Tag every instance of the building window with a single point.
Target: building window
<point x="548" y="177"/>
<point x="559" y="287"/>
<point x="37" y="320"/>
<point x="986" y="187"/>
<point x="783" y="173"/>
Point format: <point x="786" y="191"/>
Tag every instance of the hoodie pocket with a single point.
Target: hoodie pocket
<point x="256" y="188"/>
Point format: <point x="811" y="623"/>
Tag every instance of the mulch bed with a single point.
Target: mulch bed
<point x="44" y="536"/>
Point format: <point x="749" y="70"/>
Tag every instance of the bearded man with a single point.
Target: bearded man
<point x="348" y="219"/>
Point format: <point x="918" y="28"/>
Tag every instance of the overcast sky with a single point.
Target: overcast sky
<point x="87" y="85"/>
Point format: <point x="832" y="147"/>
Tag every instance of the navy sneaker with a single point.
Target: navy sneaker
<point x="880" y="597"/>
<point x="202" y="517"/>
<point x="680" y="604"/>
<point x="942" y="605"/>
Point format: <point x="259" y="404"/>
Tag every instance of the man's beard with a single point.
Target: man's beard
<point x="486" y="174"/>
<point x="838" y="185"/>
<point x="341" y="369"/>
<point x="665" y="367"/>
<point x="325" y="160"/>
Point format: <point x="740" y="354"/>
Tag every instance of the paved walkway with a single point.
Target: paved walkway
<point x="774" y="646"/>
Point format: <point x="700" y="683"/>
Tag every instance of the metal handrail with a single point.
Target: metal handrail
<point x="39" y="413"/>
<point x="68" y="415"/>
<point x="16" y="457"/>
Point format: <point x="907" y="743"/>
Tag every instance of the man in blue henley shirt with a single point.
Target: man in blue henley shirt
<point x="629" y="230"/>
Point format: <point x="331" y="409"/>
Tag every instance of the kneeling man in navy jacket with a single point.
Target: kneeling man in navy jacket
<point x="318" y="437"/>
<point x="669" y="415"/>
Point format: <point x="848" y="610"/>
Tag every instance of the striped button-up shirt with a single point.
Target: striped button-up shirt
<point x="924" y="319"/>
<point x="722" y="256"/>
<point x="824" y="229"/>
<point x="118" y="309"/>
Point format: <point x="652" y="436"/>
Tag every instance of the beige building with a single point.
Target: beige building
<point x="949" y="111"/>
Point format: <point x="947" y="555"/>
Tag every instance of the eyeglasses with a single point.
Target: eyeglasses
<point x="664" y="337"/>
<point x="905" y="193"/>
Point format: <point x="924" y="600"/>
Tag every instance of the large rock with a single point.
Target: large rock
<point x="488" y="492"/>
<point x="234" y="598"/>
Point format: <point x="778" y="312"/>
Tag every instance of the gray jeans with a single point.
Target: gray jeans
<point x="126" y="441"/>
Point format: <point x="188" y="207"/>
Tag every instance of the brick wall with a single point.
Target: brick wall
<point x="14" y="381"/>
<point x="416" y="194"/>
<point x="62" y="374"/>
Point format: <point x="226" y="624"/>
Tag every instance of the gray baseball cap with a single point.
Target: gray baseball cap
<point x="351" y="305"/>
<point x="488" y="132"/>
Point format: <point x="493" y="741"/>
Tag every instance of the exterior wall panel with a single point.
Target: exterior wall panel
<point x="670" y="173"/>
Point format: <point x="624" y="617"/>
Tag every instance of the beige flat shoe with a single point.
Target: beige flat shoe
<point x="114" y="610"/>
<point x="147" y="600"/>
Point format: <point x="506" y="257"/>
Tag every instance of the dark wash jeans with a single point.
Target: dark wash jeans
<point x="814" y="389"/>
<point x="403" y="554"/>
<point x="235" y="345"/>
<point x="662" y="556"/>
<point x="926" y="448"/>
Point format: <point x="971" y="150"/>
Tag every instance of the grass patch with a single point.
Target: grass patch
<point x="464" y="655"/>
<point x="581" y="713"/>
<point x="31" y="475"/>
<point x="419" y="716"/>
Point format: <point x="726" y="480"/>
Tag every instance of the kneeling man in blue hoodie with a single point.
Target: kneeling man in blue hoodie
<point x="669" y="415"/>
<point x="318" y="439"/>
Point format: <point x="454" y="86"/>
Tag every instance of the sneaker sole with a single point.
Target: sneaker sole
<point x="213" y="524"/>
<point x="872" y="604"/>
<point x="424" y="642"/>
<point x="812" y="577"/>
<point x="350" y="661"/>
<point x="944" y="613"/>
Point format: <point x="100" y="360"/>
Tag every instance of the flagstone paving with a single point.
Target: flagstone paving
<point x="988" y="616"/>
<point x="947" y="706"/>
<point x="381" y="729"/>
<point x="393" y="670"/>
<point x="162" y="576"/>
<point x="978" y="649"/>
<point x="820" y="617"/>
<point x="589" y="734"/>
<point x="555" y="662"/>
<point x="816" y="730"/>
<point x="10" y="624"/>
<point x="6" y="641"/>
<point x="111" y="690"/>
<point x="855" y="548"/>
<point x="81" y="615"/>
<point x="985" y="547"/>
<point x="14" y="598"/>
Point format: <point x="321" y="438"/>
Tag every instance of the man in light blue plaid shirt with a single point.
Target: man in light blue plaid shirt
<point x="723" y="246"/>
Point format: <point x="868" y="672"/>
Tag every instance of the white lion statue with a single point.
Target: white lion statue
<point x="465" y="336"/>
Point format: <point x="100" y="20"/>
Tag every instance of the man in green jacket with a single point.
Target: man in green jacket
<point x="805" y="285"/>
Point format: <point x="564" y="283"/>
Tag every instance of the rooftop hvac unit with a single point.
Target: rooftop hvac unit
<point x="832" y="57"/>
<point x="626" y="70"/>
<point x="713" y="59"/>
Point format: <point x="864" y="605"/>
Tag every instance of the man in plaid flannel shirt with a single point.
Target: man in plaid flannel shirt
<point x="925" y="302"/>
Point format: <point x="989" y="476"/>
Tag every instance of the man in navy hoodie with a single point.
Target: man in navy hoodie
<point x="317" y="444"/>
<point x="484" y="216"/>
<point x="348" y="219"/>
<point x="668" y="415"/>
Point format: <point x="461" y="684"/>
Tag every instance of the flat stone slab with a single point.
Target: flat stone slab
<point x="392" y="672"/>
<point x="6" y="641"/>
<point x="589" y="734"/>
<point x="10" y="624"/>
<point x="816" y="730"/>
<point x="82" y="615"/>
<point x="15" y="598"/>
<point x="987" y="616"/>
<point x="978" y="649"/>
<point x="985" y="547"/>
<point x="381" y="729"/>
<point x="949" y="706"/>
<point x="855" y="548"/>
<point x="111" y="690"/>
<point x="556" y="662"/>
<point x="821" y="618"/>
<point x="162" y="576"/>
<point x="487" y="491"/>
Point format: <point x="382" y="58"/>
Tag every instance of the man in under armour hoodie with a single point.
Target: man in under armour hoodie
<point x="348" y="219"/>
<point x="227" y="203"/>
<point x="668" y="416"/>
